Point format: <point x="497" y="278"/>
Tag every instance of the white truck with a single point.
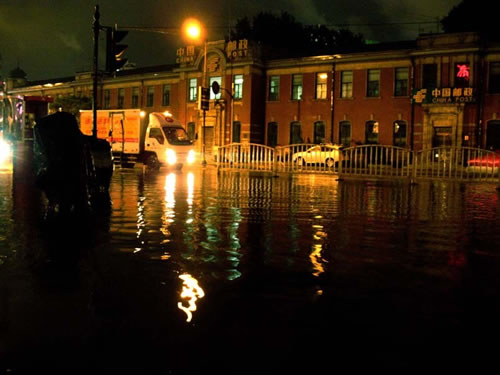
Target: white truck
<point x="157" y="140"/>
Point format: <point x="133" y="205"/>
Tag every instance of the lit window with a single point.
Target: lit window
<point x="371" y="132"/>
<point x="346" y="82"/>
<point x="399" y="134"/>
<point x="274" y="88"/>
<point x="212" y="94"/>
<point x="193" y="89"/>
<point x="297" y="87"/>
<point x="238" y="86"/>
<point x="321" y="79"/>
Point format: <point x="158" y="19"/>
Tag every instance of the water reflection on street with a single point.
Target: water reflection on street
<point x="244" y="269"/>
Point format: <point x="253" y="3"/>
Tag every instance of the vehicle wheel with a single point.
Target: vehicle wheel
<point x="299" y="161"/>
<point x="330" y="163"/>
<point x="152" y="162"/>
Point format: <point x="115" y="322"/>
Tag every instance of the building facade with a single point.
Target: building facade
<point x="442" y="89"/>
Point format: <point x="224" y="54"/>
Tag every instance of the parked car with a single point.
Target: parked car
<point x="327" y="154"/>
<point x="486" y="163"/>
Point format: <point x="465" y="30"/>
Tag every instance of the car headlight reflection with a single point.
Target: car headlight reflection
<point x="191" y="157"/>
<point x="171" y="157"/>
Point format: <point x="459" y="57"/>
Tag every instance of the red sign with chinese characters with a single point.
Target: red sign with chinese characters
<point x="463" y="71"/>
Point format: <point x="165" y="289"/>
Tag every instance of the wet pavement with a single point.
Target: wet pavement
<point x="206" y="271"/>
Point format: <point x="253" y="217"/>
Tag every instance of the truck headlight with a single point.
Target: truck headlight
<point x="171" y="157"/>
<point x="5" y="151"/>
<point x="191" y="156"/>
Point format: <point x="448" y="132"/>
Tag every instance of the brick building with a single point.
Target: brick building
<point x="441" y="89"/>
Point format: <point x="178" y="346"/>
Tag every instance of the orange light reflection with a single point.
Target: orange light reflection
<point x="191" y="292"/>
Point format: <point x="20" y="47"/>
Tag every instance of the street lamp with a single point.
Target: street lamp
<point x="193" y="30"/>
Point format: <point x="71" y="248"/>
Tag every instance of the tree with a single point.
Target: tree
<point x="472" y="15"/>
<point x="284" y="36"/>
<point x="71" y="103"/>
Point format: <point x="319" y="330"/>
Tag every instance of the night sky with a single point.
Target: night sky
<point x="53" y="38"/>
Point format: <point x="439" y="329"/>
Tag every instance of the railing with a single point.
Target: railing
<point x="246" y="156"/>
<point x="457" y="163"/>
<point x="377" y="161"/>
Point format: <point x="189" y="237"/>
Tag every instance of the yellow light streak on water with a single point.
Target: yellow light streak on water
<point x="191" y="292"/>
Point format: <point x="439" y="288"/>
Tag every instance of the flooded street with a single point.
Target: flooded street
<point x="206" y="271"/>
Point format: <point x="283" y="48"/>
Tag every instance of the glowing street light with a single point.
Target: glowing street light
<point x="193" y="30"/>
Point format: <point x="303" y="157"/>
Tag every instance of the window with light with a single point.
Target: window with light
<point x="346" y="84"/>
<point x="321" y="84"/>
<point x="274" y="88"/>
<point x="371" y="132"/>
<point x="213" y="96"/>
<point x="193" y="89"/>
<point x="297" y="87"/>
<point x="238" y="86"/>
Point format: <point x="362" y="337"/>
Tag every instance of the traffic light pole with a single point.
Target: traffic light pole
<point x="204" y="162"/>
<point x="95" y="69"/>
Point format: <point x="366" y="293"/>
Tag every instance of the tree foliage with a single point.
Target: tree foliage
<point x="71" y="103"/>
<point x="284" y="36"/>
<point x="472" y="15"/>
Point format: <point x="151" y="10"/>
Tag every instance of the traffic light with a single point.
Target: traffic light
<point x="114" y="51"/>
<point x="204" y="98"/>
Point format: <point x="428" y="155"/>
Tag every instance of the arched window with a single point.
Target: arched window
<point x="295" y="132"/>
<point x="493" y="135"/>
<point x="371" y="132"/>
<point x="345" y="133"/>
<point x="272" y="134"/>
<point x="399" y="134"/>
<point x="319" y="132"/>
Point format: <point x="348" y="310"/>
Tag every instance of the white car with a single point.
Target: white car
<point x="320" y="154"/>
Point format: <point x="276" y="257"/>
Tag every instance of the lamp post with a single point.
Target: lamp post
<point x="194" y="32"/>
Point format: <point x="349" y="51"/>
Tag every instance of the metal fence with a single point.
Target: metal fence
<point x="377" y="161"/>
<point x="246" y="156"/>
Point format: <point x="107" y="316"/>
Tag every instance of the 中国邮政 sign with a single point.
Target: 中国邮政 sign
<point x="443" y="95"/>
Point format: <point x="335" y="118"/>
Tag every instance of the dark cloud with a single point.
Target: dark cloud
<point x="53" y="38"/>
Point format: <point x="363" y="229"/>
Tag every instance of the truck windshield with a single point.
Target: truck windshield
<point x="176" y="136"/>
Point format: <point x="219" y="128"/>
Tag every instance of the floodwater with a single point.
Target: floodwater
<point x="206" y="271"/>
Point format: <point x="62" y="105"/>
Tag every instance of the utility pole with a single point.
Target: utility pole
<point x="95" y="69"/>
